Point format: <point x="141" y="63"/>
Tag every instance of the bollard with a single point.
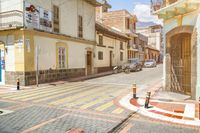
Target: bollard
<point x="18" y="84"/>
<point x="134" y="91"/>
<point x="148" y="96"/>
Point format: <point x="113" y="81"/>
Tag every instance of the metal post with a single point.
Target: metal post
<point x="199" y="108"/>
<point x="18" y="84"/>
<point x="148" y="96"/>
<point x="37" y="63"/>
<point x="134" y="91"/>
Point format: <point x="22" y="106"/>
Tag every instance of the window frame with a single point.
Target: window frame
<point x="100" y="55"/>
<point x="62" y="57"/>
<point x="80" y="26"/>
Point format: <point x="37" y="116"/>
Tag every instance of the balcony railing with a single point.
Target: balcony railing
<point x="158" y="4"/>
<point x="11" y="19"/>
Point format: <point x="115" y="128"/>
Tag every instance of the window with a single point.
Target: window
<point x="100" y="40"/>
<point x="135" y="40"/>
<point x="121" y="56"/>
<point x="80" y="26"/>
<point x="127" y="23"/>
<point x="62" y="57"/>
<point x="121" y="45"/>
<point x="56" y="19"/>
<point x="100" y="55"/>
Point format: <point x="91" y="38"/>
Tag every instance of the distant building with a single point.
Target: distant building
<point x="111" y="48"/>
<point x="155" y="41"/>
<point x="181" y="46"/>
<point x="122" y="21"/>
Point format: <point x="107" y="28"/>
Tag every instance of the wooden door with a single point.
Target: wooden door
<point x="180" y="51"/>
<point x="111" y="57"/>
<point x="89" y="62"/>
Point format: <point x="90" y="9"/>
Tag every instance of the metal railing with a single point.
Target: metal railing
<point x="158" y="4"/>
<point x="11" y="19"/>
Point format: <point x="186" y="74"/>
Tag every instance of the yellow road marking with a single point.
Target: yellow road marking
<point x="68" y="99"/>
<point x="50" y="97"/>
<point x="27" y="92"/>
<point x="99" y="100"/>
<point x="118" y="111"/>
<point x="104" y="106"/>
<point x="58" y="91"/>
<point x="86" y="99"/>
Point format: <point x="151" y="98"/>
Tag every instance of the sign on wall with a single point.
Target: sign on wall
<point x="37" y="17"/>
<point x="45" y="20"/>
<point x="32" y="16"/>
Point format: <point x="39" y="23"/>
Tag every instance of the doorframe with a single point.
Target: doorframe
<point x="111" y="58"/>
<point x="92" y="61"/>
<point x="169" y="35"/>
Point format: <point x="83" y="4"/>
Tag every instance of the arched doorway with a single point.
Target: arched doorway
<point x="180" y="53"/>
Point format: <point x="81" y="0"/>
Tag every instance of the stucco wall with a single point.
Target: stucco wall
<point x="110" y="44"/>
<point x="47" y="53"/>
<point x="7" y="5"/>
<point x="69" y="11"/>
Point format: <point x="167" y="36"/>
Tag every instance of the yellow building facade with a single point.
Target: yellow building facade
<point x="46" y="41"/>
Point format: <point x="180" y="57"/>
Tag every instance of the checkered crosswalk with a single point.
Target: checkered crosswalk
<point x="81" y="95"/>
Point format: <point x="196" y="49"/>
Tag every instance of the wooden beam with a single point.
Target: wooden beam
<point x="164" y="16"/>
<point x="171" y="14"/>
<point x="180" y="10"/>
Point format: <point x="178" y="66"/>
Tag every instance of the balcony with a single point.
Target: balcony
<point x="158" y="4"/>
<point x="11" y="19"/>
<point x="171" y="8"/>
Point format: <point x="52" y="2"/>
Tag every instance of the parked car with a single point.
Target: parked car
<point x="133" y="64"/>
<point x="150" y="63"/>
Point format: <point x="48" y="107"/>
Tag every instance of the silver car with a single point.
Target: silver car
<point x="150" y="63"/>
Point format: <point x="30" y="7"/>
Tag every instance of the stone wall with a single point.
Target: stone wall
<point x="45" y="76"/>
<point x="103" y="69"/>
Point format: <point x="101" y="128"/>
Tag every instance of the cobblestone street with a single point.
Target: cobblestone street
<point x="91" y="106"/>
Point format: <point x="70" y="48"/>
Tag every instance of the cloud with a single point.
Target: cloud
<point x="143" y="13"/>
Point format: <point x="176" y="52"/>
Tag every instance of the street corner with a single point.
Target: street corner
<point x="184" y="113"/>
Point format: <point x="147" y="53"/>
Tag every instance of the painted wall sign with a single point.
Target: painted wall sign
<point x="38" y="18"/>
<point x="32" y="16"/>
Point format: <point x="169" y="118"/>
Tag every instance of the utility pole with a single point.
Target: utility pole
<point x="37" y="63"/>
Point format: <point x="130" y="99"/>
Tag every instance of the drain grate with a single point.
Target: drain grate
<point x="4" y="112"/>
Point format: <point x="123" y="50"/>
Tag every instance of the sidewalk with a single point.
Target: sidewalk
<point x="90" y="76"/>
<point x="13" y="88"/>
<point x="164" y="106"/>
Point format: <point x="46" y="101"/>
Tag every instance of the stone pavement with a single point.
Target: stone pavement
<point x="90" y="106"/>
<point x="172" y="107"/>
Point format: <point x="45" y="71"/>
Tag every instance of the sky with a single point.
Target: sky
<point x="141" y="8"/>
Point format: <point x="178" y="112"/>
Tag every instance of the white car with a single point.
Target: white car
<point x="150" y="63"/>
